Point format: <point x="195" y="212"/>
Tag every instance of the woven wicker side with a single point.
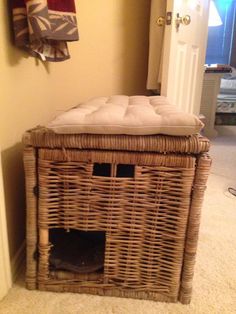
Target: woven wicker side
<point x="199" y="186"/>
<point x="31" y="224"/>
<point x="144" y="216"/>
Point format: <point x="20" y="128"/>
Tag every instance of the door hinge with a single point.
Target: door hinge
<point x="168" y="18"/>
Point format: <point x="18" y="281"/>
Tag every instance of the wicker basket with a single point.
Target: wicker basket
<point x="147" y="203"/>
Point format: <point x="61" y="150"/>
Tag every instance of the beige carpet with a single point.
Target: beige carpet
<point x="215" y="272"/>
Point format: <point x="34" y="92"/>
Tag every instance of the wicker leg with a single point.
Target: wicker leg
<point x="199" y="186"/>
<point x="31" y="225"/>
<point x="43" y="271"/>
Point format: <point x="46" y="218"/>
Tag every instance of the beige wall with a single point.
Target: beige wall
<point x="110" y="58"/>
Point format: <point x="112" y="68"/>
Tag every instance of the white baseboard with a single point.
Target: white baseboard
<point x="226" y="130"/>
<point x="17" y="261"/>
<point x="5" y="271"/>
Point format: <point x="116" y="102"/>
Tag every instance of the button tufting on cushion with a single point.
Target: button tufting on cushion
<point x="120" y="114"/>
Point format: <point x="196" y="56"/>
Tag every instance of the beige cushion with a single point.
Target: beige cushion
<point x="135" y="115"/>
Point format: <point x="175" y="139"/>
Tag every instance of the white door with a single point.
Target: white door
<point x="5" y="274"/>
<point x="184" y="53"/>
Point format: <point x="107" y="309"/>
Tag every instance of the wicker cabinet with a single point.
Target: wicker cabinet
<point x="144" y="193"/>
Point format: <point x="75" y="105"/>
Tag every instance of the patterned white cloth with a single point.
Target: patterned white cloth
<point x="43" y="27"/>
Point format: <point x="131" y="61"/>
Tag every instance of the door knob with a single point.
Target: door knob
<point x="185" y="20"/>
<point x="161" y="21"/>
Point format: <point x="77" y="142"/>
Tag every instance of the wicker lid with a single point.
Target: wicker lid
<point x="41" y="137"/>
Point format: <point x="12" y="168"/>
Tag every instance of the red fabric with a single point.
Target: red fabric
<point x="62" y="5"/>
<point x="18" y="3"/>
<point x="56" y="5"/>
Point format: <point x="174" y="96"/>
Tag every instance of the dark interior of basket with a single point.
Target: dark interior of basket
<point x="77" y="251"/>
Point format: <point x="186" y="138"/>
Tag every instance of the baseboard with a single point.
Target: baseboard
<point x="17" y="261"/>
<point x="5" y="271"/>
<point x="226" y="130"/>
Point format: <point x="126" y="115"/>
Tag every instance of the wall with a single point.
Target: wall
<point x="110" y="58"/>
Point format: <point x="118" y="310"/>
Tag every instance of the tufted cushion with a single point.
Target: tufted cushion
<point x="135" y="115"/>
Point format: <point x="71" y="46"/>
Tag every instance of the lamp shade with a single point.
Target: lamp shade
<point x="214" y="17"/>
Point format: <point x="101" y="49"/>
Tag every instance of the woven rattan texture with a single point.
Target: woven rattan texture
<point x="144" y="217"/>
<point x="151" y="219"/>
<point x="41" y="137"/>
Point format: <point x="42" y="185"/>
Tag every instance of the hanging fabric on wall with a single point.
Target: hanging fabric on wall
<point x="43" y="27"/>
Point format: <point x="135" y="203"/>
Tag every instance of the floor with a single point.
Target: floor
<point x="215" y="272"/>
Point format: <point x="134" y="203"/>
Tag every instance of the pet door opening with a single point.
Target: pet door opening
<point x="121" y="170"/>
<point x="102" y="170"/>
<point x="77" y="251"/>
<point x="125" y="171"/>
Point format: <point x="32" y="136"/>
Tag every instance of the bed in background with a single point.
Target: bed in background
<point x="226" y="100"/>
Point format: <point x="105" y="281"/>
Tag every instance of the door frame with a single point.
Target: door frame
<point x="5" y="268"/>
